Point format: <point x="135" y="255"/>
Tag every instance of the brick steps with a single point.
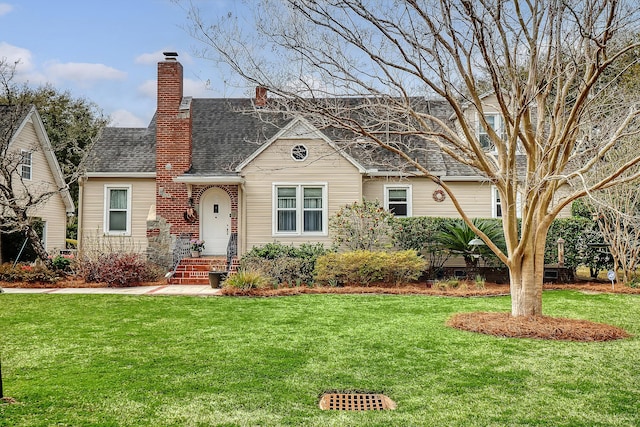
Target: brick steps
<point x="195" y="271"/>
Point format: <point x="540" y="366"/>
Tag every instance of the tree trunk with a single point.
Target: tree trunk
<point x="38" y="247"/>
<point x="526" y="278"/>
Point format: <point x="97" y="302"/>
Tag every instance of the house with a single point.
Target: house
<point x="214" y="169"/>
<point x="27" y="151"/>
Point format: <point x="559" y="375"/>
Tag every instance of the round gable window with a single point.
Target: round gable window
<point x="299" y="152"/>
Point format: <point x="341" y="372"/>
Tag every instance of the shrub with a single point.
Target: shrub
<point x="63" y="263"/>
<point x="361" y="226"/>
<point x="405" y="266"/>
<point x="420" y="233"/>
<point x="578" y="234"/>
<point x="450" y="283"/>
<point x="119" y="269"/>
<point x="245" y="280"/>
<point x="364" y="267"/>
<point x="284" y="263"/>
<point x="31" y="273"/>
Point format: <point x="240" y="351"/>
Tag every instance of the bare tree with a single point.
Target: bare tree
<point x="619" y="224"/>
<point x="617" y="213"/>
<point x="545" y="61"/>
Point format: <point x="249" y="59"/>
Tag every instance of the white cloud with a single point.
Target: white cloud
<point x="196" y="88"/>
<point x="5" y="8"/>
<point x="191" y="87"/>
<point x="153" y="58"/>
<point x="150" y="58"/>
<point x="83" y="73"/>
<point x="14" y="53"/>
<point x="126" y="119"/>
<point x="25" y="67"/>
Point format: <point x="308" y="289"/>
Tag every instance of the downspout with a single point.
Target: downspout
<point x="81" y="182"/>
<point x="242" y="222"/>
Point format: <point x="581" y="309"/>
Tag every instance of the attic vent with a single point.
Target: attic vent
<point x="356" y="402"/>
<point x="299" y="152"/>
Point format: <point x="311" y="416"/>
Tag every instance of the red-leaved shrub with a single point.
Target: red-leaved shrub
<point x="119" y="269"/>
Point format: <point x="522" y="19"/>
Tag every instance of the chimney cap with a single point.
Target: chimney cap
<point x="170" y="56"/>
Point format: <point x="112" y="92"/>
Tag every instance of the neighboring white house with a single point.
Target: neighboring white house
<point x="38" y="172"/>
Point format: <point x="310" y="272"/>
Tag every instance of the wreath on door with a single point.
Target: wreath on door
<point x="439" y="195"/>
<point x="190" y="215"/>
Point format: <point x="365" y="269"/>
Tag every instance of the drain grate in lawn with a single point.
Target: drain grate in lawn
<point x="356" y="402"/>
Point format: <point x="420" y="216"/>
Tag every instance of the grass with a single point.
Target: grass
<point x="107" y="360"/>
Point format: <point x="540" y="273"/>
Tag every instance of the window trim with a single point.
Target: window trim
<point x="299" y="208"/>
<point x="407" y="187"/>
<point x="107" y="194"/>
<point x="24" y="166"/>
<point x="494" y="204"/>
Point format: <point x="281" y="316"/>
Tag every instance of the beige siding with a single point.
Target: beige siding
<point x="475" y="197"/>
<point x="275" y="165"/>
<point x="52" y="211"/>
<point x="93" y="210"/>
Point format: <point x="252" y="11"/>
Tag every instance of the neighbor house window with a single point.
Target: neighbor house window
<point x="117" y="210"/>
<point x="26" y="164"/>
<point x="300" y="209"/>
<point x="397" y="199"/>
<point x="494" y="121"/>
<point x="497" y="206"/>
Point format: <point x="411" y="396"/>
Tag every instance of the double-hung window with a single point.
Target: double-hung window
<point x="117" y="216"/>
<point x="26" y="164"/>
<point x="495" y="122"/>
<point x="300" y="209"/>
<point x="397" y="199"/>
<point x="496" y="205"/>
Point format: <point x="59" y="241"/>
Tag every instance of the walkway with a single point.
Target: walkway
<point x="191" y="290"/>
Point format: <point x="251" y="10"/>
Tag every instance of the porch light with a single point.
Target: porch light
<point x="475" y="242"/>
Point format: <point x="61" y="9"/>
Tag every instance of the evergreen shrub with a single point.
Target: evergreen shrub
<point x="361" y="268"/>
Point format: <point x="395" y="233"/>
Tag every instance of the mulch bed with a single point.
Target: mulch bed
<point x="69" y="282"/>
<point x="540" y="327"/>
<point x="490" y="289"/>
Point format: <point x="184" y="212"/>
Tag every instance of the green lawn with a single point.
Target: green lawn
<point x="107" y="360"/>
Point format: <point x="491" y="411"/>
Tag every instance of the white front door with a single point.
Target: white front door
<point x="215" y="221"/>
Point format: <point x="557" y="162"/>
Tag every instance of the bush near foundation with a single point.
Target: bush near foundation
<point x="362" y="268"/>
<point x="25" y="272"/>
<point x="284" y="263"/>
<point x="119" y="269"/>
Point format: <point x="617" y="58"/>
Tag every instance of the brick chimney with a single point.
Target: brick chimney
<point x="173" y="145"/>
<point x="261" y="96"/>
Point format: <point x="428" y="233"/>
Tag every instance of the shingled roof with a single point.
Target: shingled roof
<point x="11" y="118"/>
<point x="125" y="150"/>
<point x="225" y="132"/>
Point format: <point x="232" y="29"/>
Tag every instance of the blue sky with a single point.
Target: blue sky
<point x="107" y="50"/>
